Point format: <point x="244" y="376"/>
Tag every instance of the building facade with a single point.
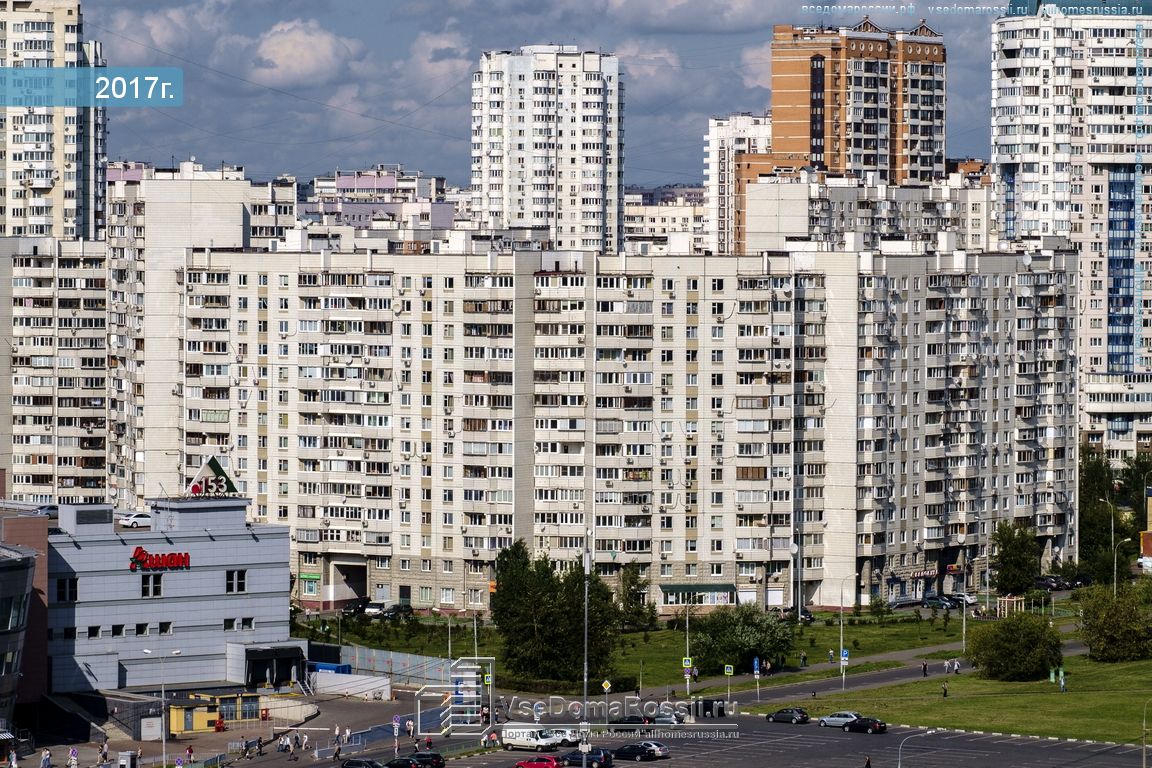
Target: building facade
<point x="202" y="596"/>
<point x="727" y="139"/>
<point x="17" y="571"/>
<point x="1068" y="136"/>
<point x="861" y="99"/>
<point x="548" y="144"/>
<point x="54" y="154"/>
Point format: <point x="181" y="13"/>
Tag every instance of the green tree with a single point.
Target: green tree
<point x="1019" y="647"/>
<point x="1115" y="628"/>
<point x="1104" y="494"/>
<point x="736" y="635"/>
<point x="635" y="610"/>
<point x="879" y="609"/>
<point x="1017" y="559"/>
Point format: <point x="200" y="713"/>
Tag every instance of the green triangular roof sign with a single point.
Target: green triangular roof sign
<point x="211" y="480"/>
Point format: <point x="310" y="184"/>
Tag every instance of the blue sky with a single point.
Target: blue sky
<point x="306" y="86"/>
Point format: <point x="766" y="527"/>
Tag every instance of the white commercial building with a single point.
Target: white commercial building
<point x="548" y="144"/>
<point x="726" y="138"/>
<point x="1069" y="132"/>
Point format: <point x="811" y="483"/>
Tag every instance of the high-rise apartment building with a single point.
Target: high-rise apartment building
<point x="727" y="139"/>
<point x="54" y="155"/>
<point x="548" y="144"/>
<point x="1069" y="133"/>
<point x="861" y="99"/>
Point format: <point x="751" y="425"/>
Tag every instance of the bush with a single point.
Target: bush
<point x="1019" y="647"/>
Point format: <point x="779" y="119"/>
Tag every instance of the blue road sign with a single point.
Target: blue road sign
<point x="844" y="653"/>
<point x="756" y="664"/>
<point x="395" y="719"/>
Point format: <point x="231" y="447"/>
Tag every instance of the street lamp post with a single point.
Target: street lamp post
<point x="900" y="750"/>
<point x="163" y="708"/>
<point x="843" y="666"/>
<point x="1115" y="550"/>
<point x="584" y="711"/>
<point x="1144" y="737"/>
<point x="1112" y="522"/>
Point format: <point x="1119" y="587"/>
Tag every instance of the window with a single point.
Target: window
<point x="141" y="630"/>
<point x="152" y="585"/>
<point x="67" y="590"/>
<point x="165" y="627"/>
<point x="93" y="632"/>
<point x="247" y="623"/>
<point x="235" y="581"/>
<point x="117" y="630"/>
<point x="229" y="625"/>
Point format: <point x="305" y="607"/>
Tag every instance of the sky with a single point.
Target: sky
<point x="310" y="86"/>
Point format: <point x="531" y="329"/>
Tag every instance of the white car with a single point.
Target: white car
<point x="136" y="520"/>
<point x="964" y="597"/>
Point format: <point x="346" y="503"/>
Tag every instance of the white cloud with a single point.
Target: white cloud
<point x="300" y="53"/>
<point x="756" y="66"/>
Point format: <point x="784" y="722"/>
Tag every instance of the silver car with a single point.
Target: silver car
<point x="656" y="749"/>
<point x="838" y="719"/>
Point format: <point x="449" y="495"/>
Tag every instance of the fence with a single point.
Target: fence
<point x="403" y="668"/>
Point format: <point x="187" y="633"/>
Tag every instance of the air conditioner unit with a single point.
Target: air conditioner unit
<point x="687" y="459"/>
<point x="326" y="522"/>
<point x="475" y="553"/>
<point x="739" y="555"/>
<point x="363" y="523"/>
<point x="663" y="555"/>
<point x="718" y="438"/>
<point x="720" y="318"/>
<point x="630" y="461"/>
<point x="627" y="389"/>
<point x="608" y="484"/>
<point x="628" y="292"/>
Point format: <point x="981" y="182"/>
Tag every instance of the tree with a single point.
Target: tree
<point x="1019" y="647"/>
<point x="1017" y="559"/>
<point x="635" y="610"/>
<point x="539" y="615"/>
<point x="737" y="635"/>
<point x="1104" y="493"/>
<point x="1114" y="628"/>
<point x="879" y="608"/>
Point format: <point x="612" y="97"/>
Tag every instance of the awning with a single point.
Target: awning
<point x="279" y="652"/>
<point x="676" y="588"/>
<point x="6" y="736"/>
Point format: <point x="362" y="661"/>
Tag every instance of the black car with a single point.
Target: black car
<point x="355" y="607"/>
<point x="598" y="757"/>
<point x="627" y="723"/>
<point x="866" y="725"/>
<point x="401" y="762"/>
<point x="903" y="602"/>
<point x="428" y="759"/>
<point x="360" y="762"/>
<point x="940" y="602"/>
<point x="398" y="611"/>
<point x="794" y="715"/>
<point x="636" y="752"/>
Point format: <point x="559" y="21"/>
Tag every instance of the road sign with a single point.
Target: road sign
<point x="756" y="675"/>
<point x="395" y="719"/>
<point x="686" y="662"/>
<point x="487" y="679"/>
<point x="729" y="670"/>
<point x="395" y="729"/>
<point x="607" y="686"/>
<point x="756" y="664"/>
<point x="844" y="653"/>
<point x="687" y="674"/>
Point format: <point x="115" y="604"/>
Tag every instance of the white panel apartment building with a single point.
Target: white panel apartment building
<point x="548" y="144"/>
<point x="1068" y="144"/>
<point x="53" y="170"/>
<point x="726" y="138"/>
<point x="409" y="416"/>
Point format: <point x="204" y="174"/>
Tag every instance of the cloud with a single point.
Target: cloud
<point x="299" y="53"/>
<point x="756" y="66"/>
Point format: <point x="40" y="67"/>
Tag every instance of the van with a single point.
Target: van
<point x="526" y="736"/>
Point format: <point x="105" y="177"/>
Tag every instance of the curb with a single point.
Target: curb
<point x="1011" y="735"/>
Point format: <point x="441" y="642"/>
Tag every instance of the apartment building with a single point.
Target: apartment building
<point x="861" y="99"/>
<point x="53" y="167"/>
<point x="1068" y="136"/>
<point x="678" y="221"/>
<point x="727" y="139"/>
<point x="675" y="410"/>
<point x="381" y="183"/>
<point x="858" y="213"/>
<point x="548" y="144"/>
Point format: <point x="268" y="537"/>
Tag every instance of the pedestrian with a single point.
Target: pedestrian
<point x="428" y="743"/>
<point x="409" y="726"/>
<point x="924" y="667"/>
<point x="46" y="758"/>
<point x="336" y="753"/>
<point x="492" y="739"/>
<point x="831" y="655"/>
<point x="695" y="674"/>
<point x="956" y="667"/>
<point x="944" y="686"/>
<point x="347" y="735"/>
<point x="296" y="739"/>
<point x="867" y="762"/>
<point x="336" y="734"/>
<point x="191" y="754"/>
<point x="104" y="751"/>
<point x="292" y="752"/>
<point x="947" y="666"/>
<point x="12" y="759"/>
<point x="1063" y="685"/>
<point x="803" y="659"/>
<point x="260" y="746"/>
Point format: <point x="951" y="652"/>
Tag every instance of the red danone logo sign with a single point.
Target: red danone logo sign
<point x="144" y="560"/>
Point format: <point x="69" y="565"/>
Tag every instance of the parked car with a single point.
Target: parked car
<point x="1082" y="580"/>
<point x="904" y="602"/>
<point x="428" y="759"/>
<point x="48" y="510"/>
<point x="397" y="611"/>
<point x="136" y="520"/>
<point x="1046" y="583"/>
<point x="636" y="752"/>
<point x="938" y="601"/>
<point x="569" y="737"/>
<point x="374" y="609"/>
<point x="598" y="757"/>
<point x="360" y="762"/>
<point x="355" y="607"/>
<point x="539" y="761"/>
<point x="866" y="725"/>
<point x="656" y="748"/>
<point x="963" y="598"/>
<point x="794" y="715"/>
<point x="628" y="723"/>
<point x="668" y="721"/>
<point x="838" y="719"/>
<point x="399" y="762"/>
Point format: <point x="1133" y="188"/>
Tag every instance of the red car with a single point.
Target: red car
<point x="539" y="761"/>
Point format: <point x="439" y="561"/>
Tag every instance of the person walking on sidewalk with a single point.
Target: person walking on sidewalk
<point x="924" y="667"/>
<point x="336" y="753"/>
<point x="46" y="758"/>
<point x="944" y="686"/>
<point x="190" y="754"/>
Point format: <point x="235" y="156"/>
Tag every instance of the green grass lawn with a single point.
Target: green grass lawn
<point x="820" y="672"/>
<point x="1104" y="702"/>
